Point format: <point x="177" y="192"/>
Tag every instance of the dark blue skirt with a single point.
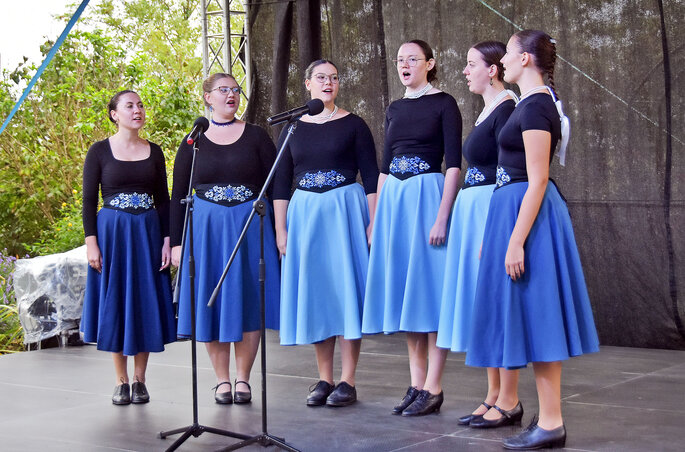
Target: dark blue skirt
<point x="545" y="315"/>
<point x="127" y="308"/>
<point x="237" y="308"/>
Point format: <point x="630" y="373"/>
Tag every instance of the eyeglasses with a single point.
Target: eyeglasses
<point x="227" y="89"/>
<point x="411" y="61"/>
<point x="321" y="78"/>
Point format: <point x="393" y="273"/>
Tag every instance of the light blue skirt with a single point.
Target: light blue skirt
<point x="237" y="308"/>
<point x="404" y="283"/>
<point x="127" y="308"/>
<point x="324" y="267"/>
<point x="461" y="270"/>
<point x="545" y="315"/>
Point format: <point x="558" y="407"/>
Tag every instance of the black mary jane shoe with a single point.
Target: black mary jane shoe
<point x="319" y="393"/>
<point x="533" y="437"/>
<point x="242" y="396"/>
<point x="510" y="417"/>
<point x="122" y="394"/>
<point x="139" y="393"/>
<point x="343" y="395"/>
<point x="407" y="400"/>
<point x="223" y="398"/>
<point x="425" y="403"/>
<point x="466" y="420"/>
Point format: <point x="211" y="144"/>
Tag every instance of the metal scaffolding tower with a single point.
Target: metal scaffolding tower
<point x="225" y="42"/>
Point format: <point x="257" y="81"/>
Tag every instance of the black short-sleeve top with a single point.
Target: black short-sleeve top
<point x="246" y="163"/>
<point x="480" y="147"/>
<point x="344" y="146"/>
<point x="428" y="127"/>
<point x="103" y="172"/>
<point x="534" y="112"/>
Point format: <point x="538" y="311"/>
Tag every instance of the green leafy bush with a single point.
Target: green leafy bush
<point x="11" y="333"/>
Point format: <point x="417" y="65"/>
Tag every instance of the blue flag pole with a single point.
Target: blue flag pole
<point x="46" y="62"/>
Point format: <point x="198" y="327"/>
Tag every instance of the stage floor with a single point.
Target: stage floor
<point x="621" y="399"/>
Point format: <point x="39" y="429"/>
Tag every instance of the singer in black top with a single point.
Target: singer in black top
<point x="406" y="265"/>
<point x="531" y="293"/>
<point x="323" y="241"/>
<point x="232" y="163"/>
<point x="127" y="307"/>
<point x="484" y="74"/>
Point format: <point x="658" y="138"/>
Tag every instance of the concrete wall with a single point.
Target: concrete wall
<point x="612" y="83"/>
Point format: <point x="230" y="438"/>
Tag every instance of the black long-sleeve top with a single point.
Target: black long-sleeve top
<point x="343" y="144"/>
<point x="102" y="172"/>
<point x="245" y="162"/>
<point x="429" y="127"/>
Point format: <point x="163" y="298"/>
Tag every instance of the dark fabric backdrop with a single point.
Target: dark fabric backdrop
<point x="621" y="80"/>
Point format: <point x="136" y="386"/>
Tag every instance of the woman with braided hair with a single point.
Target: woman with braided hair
<point x="531" y="298"/>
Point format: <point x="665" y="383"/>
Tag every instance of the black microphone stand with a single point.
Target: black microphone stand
<point x="195" y="429"/>
<point x="259" y="207"/>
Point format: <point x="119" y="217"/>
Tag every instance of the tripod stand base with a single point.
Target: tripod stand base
<point x="264" y="440"/>
<point x="197" y="430"/>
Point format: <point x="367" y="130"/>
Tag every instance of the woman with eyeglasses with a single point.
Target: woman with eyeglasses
<point x="407" y="260"/>
<point x="127" y="308"/>
<point x="322" y="231"/>
<point x="484" y="74"/>
<point x="232" y="163"/>
<point x="531" y="301"/>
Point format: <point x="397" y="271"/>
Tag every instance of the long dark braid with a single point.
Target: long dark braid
<point x="543" y="49"/>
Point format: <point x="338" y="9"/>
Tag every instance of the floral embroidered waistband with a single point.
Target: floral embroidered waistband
<point x="479" y="175"/>
<point x="130" y="202"/>
<point x="406" y="166"/>
<point x="506" y="176"/>
<point x="226" y="195"/>
<point x="324" y="180"/>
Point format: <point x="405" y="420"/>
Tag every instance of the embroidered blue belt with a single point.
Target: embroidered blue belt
<point x="129" y="202"/>
<point x="405" y="166"/>
<point x="508" y="175"/>
<point x="324" y="180"/>
<point x="226" y="194"/>
<point x="479" y="175"/>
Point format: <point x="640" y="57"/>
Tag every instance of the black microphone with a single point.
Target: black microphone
<point x="199" y="126"/>
<point x="313" y="107"/>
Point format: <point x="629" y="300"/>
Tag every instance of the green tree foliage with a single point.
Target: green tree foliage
<point x="148" y="46"/>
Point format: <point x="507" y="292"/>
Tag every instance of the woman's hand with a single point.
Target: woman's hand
<point x="166" y="254"/>
<point x="438" y="233"/>
<point x="280" y="220"/>
<point x="369" y="233"/>
<point x="281" y="241"/>
<point x="176" y="256"/>
<point x="93" y="253"/>
<point x="513" y="261"/>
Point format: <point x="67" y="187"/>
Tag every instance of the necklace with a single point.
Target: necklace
<point x="419" y="93"/>
<point x="532" y="91"/>
<point x="322" y="119"/>
<point x="224" y="124"/>
<point x="495" y="102"/>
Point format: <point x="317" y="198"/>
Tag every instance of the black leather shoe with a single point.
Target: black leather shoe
<point x="122" y="394"/>
<point x="466" y="420"/>
<point x="534" y="437"/>
<point x="425" y="403"/>
<point x="407" y="400"/>
<point x="241" y="396"/>
<point x="319" y="393"/>
<point x="223" y="398"/>
<point x="510" y="417"/>
<point x="342" y="395"/>
<point x="139" y="393"/>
